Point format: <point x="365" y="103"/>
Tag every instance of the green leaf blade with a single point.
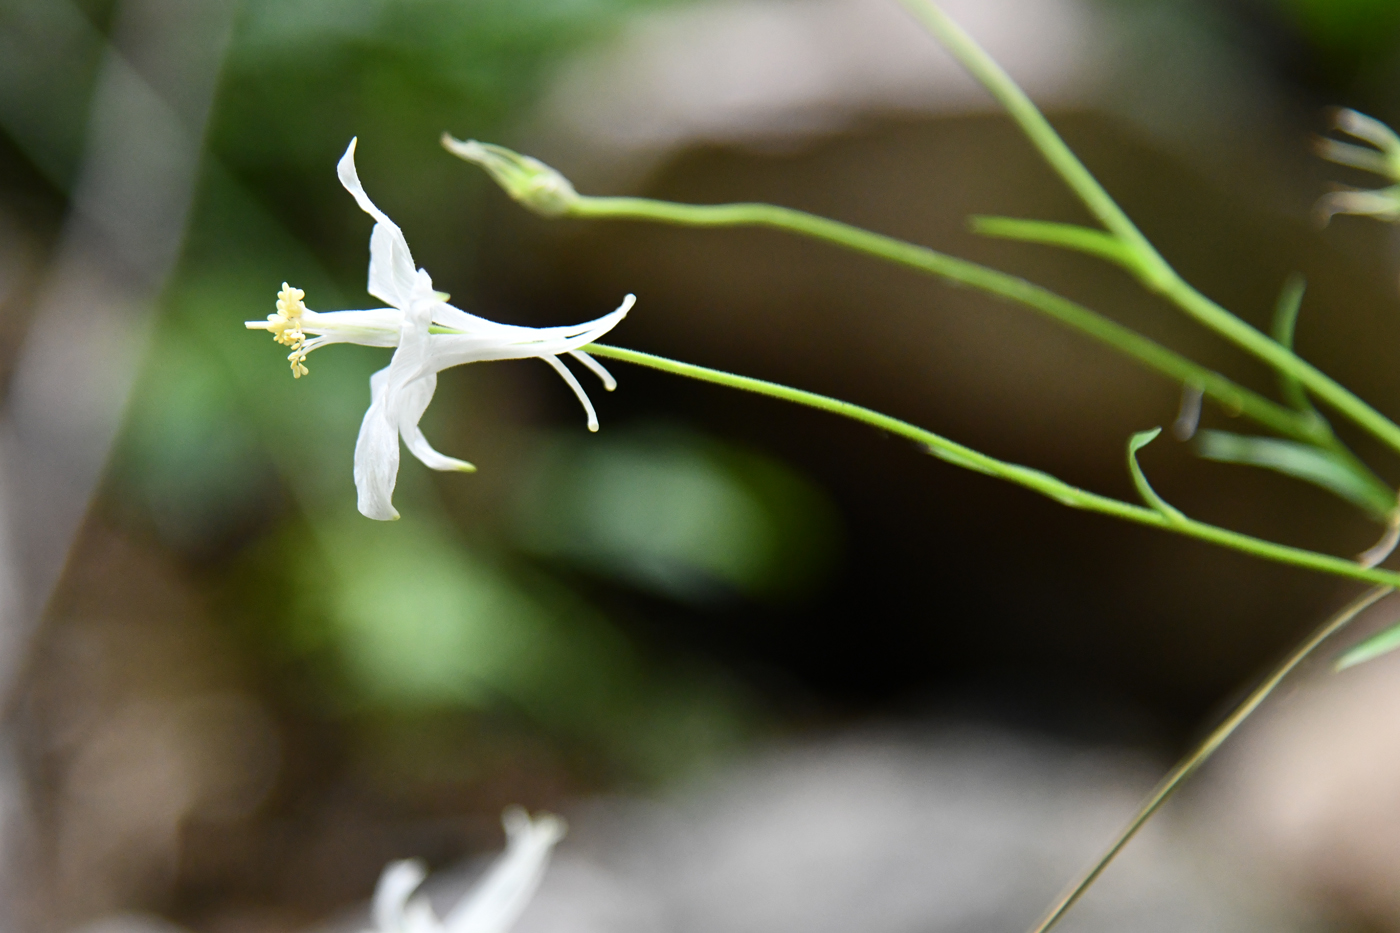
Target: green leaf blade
<point x="1066" y="236"/>
<point x="1305" y="462"/>
<point x="1381" y="643"/>
<point x="1149" y="495"/>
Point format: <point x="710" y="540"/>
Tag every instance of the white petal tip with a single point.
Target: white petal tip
<point x="466" y="467"/>
<point x="627" y="303"/>
<point x="593" y="426"/>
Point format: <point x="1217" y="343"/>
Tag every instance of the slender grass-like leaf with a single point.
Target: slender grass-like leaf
<point x="1301" y="461"/>
<point x="1370" y="649"/>
<point x="1149" y="495"/>
<point x="1068" y="236"/>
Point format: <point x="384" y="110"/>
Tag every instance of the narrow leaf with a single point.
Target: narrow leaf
<point x="1069" y="236"/>
<point x="1290" y="302"/>
<point x="1370" y="649"/>
<point x="1144" y="488"/>
<point x="1301" y="461"/>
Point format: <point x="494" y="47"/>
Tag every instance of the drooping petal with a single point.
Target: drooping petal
<point x="499" y="898"/>
<point x="413" y="402"/>
<point x="396" y="884"/>
<point x="377" y="448"/>
<point x="377" y="454"/>
<point x="391" y="269"/>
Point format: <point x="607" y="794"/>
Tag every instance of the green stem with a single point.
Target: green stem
<point x="1038" y="129"/>
<point x="1317" y="382"/>
<point x="1040" y="482"/>
<point x="1198" y="756"/>
<point x="1231" y="396"/>
<point x="1152" y="270"/>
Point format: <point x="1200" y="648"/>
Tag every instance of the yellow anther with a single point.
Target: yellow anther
<point x="289" y="301"/>
<point x="286" y="323"/>
<point x="298" y="360"/>
<point x="286" y="326"/>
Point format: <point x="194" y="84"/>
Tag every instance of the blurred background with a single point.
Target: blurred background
<point x="780" y="671"/>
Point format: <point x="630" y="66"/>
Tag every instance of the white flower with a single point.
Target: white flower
<point x="430" y="335"/>
<point x="493" y="904"/>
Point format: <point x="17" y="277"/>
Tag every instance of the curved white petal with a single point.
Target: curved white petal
<point x="377" y="454"/>
<point x="413" y="402"/>
<point x="498" y="899"/>
<point x="514" y="343"/>
<point x="450" y="316"/>
<point x="377" y="448"/>
<point x="391" y="270"/>
<point x="396" y="884"/>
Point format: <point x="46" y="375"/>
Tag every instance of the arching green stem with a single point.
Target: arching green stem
<point x="1231" y="396"/>
<point x="1036" y="480"/>
<point x="1146" y="263"/>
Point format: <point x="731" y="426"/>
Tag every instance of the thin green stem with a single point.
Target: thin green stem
<point x="1231" y="396"/>
<point x="1208" y="746"/>
<point x="1321" y="385"/>
<point x="1038" y="130"/>
<point x="1150" y="268"/>
<point x="1040" y="482"/>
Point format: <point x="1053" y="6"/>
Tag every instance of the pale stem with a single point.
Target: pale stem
<point x="1198" y="755"/>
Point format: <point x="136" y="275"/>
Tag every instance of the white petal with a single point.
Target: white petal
<point x="418" y="917"/>
<point x="377" y="448"/>
<point x="391" y="270"/>
<point x="505" y="342"/>
<point x="498" y="899"/>
<point x="412" y="403"/>
<point x="377" y="454"/>
<point x="398" y="881"/>
<point x="374" y="327"/>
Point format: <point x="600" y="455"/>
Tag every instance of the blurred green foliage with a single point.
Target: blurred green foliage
<point x="676" y="513"/>
<point x="1347" y="27"/>
<point x="230" y="463"/>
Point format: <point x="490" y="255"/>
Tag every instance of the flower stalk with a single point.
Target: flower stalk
<point x="1035" y="480"/>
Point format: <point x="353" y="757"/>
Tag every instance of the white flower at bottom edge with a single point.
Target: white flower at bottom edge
<point x="429" y="335"/>
<point x="493" y="904"/>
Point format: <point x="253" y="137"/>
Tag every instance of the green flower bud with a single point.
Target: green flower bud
<point x="529" y="181"/>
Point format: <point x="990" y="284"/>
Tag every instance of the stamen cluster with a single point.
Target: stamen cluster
<point x="286" y="327"/>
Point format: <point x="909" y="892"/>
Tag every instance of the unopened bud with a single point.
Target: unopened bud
<point x="529" y="181"/>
